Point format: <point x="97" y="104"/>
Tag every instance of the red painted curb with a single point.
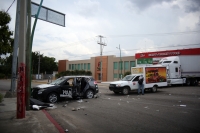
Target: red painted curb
<point x="60" y="129"/>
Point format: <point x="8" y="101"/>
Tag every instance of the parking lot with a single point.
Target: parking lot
<point x="171" y="109"/>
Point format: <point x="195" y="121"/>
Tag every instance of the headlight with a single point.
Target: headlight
<point x="118" y="85"/>
<point x="40" y="91"/>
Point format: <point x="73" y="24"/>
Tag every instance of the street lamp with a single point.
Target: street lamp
<point x="120" y="59"/>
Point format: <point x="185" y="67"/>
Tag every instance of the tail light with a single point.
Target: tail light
<point x="95" y="82"/>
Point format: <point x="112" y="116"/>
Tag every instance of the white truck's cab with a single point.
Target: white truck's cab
<point x="154" y="77"/>
<point x="173" y="66"/>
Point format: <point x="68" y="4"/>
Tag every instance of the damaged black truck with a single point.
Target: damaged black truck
<point x="66" y="87"/>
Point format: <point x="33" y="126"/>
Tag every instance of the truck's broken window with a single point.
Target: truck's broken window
<point x="58" y="81"/>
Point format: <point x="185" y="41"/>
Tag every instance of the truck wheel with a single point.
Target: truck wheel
<point x="89" y="94"/>
<point x="154" y="89"/>
<point x="188" y="83"/>
<point x="125" y="91"/>
<point x="52" y="97"/>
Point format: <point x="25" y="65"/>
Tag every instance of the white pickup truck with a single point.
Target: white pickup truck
<point x="154" y="77"/>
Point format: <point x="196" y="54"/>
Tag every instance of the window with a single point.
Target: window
<point x="176" y="69"/>
<point x="88" y="66"/>
<point x="137" y="78"/>
<point x="115" y="75"/>
<point x="132" y="64"/>
<point x="79" y="67"/>
<point x="84" y="66"/>
<point x="126" y="65"/>
<point x="75" y="67"/>
<point x="115" y="64"/>
<point x="175" y="62"/>
<point x="121" y="65"/>
<point x="70" y="67"/>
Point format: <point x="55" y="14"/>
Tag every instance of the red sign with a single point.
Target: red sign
<point x="194" y="51"/>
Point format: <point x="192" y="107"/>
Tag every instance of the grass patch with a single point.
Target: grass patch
<point x="1" y="97"/>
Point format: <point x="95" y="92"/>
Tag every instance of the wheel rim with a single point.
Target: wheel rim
<point x="89" y="94"/>
<point x="125" y="91"/>
<point x="53" y="98"/>
<point x="154" y="89"/>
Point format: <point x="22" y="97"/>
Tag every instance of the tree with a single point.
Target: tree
<point x="6" y="41"/>
<point x="47" y="64"/>
<point x="6" y="45"/>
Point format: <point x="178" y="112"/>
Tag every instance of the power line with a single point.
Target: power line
<point x="131" y="50"/>
<point x="156" y="34"/>
<point x="114" y="36"/>
<point x="10" y="5"/>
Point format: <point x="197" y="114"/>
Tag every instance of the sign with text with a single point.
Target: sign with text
<point x="145" y="61"/>
<point x="48" y="14"/>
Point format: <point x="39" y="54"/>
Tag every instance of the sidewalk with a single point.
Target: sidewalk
<point x="34" y="121"/>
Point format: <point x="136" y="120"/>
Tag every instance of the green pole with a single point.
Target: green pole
<point x="34" y="25"/>
<point x="28" y="55"/>
<point x="29" y="51"/>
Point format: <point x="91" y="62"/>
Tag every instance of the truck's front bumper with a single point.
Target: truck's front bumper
<point x="113" y="87"/>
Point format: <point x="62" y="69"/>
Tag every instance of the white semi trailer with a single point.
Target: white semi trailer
<point x="183" y="69"/>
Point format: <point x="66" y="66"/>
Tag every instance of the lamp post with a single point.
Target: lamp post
<point x="120" y="59"/>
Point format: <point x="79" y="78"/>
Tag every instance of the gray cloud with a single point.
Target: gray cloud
<point x="87" y="9"/>
<point x="143" y="4"/>
<point x="193" y="6"/>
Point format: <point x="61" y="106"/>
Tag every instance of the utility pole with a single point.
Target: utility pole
<point x="120" y="60"/>
<point x="15" y="49"/>
<point x="38" y="64"/>
<point x="22" y="60"/>
<point x="101" y="51"/>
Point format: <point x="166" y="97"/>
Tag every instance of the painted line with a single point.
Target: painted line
<point x="60" y="129"/>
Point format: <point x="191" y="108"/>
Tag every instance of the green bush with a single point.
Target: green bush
<point x="2" y="76"/>
<point x="1" y="97"/>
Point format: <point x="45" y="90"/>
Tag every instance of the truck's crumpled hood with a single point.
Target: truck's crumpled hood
<point x="44" y="86"/>
<point x="118" y="82"/>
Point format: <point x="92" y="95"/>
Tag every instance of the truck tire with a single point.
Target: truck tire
<point x="154" y="89"/>
<point x="188" y="82"/>
<point x="89" y="94"/>
<point x="125" y="91"/>
<point x="52" y="97"/>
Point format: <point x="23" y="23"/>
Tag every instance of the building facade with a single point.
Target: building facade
<point x="112" y="67"/>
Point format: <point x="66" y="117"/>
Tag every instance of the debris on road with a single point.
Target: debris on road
<point x="80" y="101"/>
<point x="182" y="105"/>
<point x="74" y="109"/>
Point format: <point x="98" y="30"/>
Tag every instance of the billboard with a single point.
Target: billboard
<point x="155" y="74"/>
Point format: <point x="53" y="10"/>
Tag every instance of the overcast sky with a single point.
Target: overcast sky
<point x="137" y="25"/>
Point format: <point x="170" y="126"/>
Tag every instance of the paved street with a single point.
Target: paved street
<point x="174" y="109"/>
<point x="171" y="109"/>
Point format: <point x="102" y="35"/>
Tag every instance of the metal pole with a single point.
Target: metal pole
<point x="39" y="65"/>
<point x="21" y="61"/>
<point x="28" y="55"/>
<point x="101" y="58"/>
<point x="120" y="60"/>
<point x="15" y="49"/>
<point x="35" y="22"/>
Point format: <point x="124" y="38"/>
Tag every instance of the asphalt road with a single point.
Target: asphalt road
<point x="171" y="109"/>
<point x="174" y="109"/>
